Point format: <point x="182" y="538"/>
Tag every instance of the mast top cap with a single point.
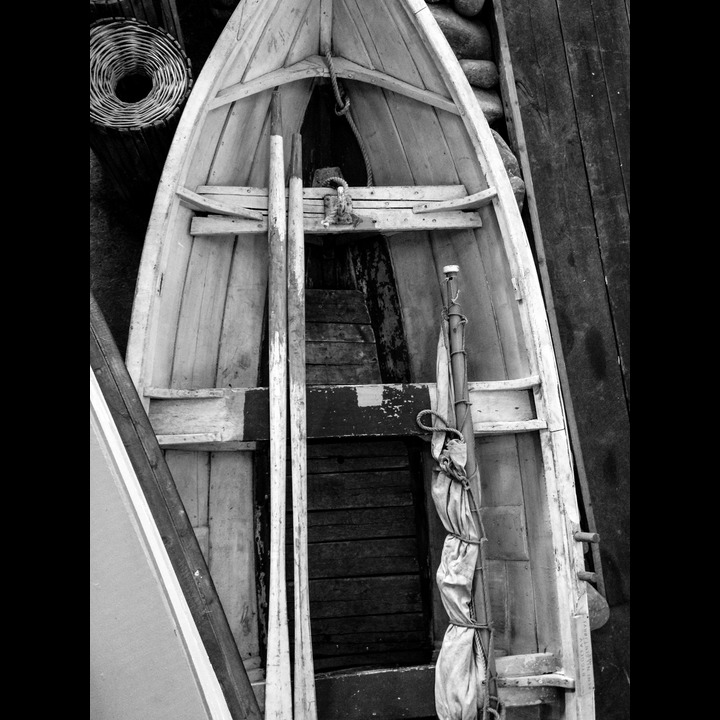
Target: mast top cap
<point x="451" y="269"/>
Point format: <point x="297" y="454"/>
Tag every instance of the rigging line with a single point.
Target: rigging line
<point x="344" y="105"/>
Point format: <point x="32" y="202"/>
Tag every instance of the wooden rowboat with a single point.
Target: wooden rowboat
<point x="331" y="164"/>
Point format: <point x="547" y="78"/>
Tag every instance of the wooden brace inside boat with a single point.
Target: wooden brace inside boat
<point x="523" y="680"/>
<point x="231" y="418"/>
<point x="234" y="210"/>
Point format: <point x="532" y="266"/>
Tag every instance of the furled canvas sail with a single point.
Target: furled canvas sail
<point x="464" y="680"/>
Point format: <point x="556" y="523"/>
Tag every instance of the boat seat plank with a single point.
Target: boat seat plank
<point x="368" y="220"/>
<point x="406" y="195"/>
<point x="403" y="692"/>
<point x="240" y="415"/>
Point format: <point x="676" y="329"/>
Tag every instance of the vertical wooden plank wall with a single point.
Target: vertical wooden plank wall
<point x="568" y="114"/>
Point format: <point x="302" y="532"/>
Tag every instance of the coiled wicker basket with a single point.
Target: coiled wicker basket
<point x="140" y="79"/>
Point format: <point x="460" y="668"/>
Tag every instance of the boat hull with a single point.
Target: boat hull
<point x="198" y="347"/>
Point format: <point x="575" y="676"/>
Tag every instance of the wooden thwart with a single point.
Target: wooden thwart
<point x="523" y="680"/>
<point x="380" y="209"/>
<point x="405" y="195"/>
<point x="391" y="220"/>
<point x="239" y="415"/>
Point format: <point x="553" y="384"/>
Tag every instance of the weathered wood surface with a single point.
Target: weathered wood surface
<point x="407" y="692"/>
<point x="571" y="68"/>
<point x="170" y="516"/>
<point x="304" y="704"/>
<point x="277" y="669"/>
<point x="371" y="478"/>
<point x="226" y="416"/>
<point x="316" y="66"/>
<point x="420" y="145"/>
<point x="369" y="220"/>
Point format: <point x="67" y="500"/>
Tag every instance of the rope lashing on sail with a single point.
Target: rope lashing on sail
<point x="447" y="466"/>
<point x="465" y="676"/>
<point x="343" y="108"/>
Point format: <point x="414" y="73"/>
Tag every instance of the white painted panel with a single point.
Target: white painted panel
<point x="147" y="659"/>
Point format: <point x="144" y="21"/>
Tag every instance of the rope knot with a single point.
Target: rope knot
<point x="344" y="109"/>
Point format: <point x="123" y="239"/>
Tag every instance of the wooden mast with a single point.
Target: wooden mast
<point x="464" y="423"/>
<point x="278" y="697"/>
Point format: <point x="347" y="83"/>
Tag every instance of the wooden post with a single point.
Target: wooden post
<point x="278" y="694"/>
<point x="304" y="677"/>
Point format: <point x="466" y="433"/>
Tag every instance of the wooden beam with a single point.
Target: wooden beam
<point x="316" y="66"/>
<point x="406" y="692"/>
<point x="379" y="209"/>
<point x="197" y="202"/>
<point x="470" y="202"/>
<point x="406" y="195"/>
<point x="391" y="220"/>
<point x="326" y="17"/>
<point x="240" y="415"/>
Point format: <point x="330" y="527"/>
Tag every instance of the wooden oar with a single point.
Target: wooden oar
<point x="278" y="689"/>
<point x="304" y="703"/>
<point x="463" y="417"/>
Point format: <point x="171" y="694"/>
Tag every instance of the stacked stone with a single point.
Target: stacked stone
<point x="469" y="37"/>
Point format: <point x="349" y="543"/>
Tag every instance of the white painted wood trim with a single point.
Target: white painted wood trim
<point x="117" y="457"/>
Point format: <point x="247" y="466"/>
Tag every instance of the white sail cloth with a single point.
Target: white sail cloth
<point x="460" y="669"/>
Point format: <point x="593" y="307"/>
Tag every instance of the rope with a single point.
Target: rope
<point x="447" y="428"/>
<point x="472" y="625"/>
<point x="341" y="211"/>
<point x="344" y="109"/>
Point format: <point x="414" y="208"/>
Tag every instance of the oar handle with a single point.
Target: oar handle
<point x="304" y="702"/>
<point x="278" y="696"/>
